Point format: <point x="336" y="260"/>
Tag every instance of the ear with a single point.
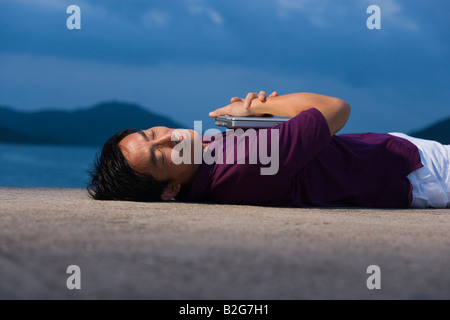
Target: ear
<point x="170" y="192"/>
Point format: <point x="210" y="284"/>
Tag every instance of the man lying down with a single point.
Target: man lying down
<point x="315" y="167"/>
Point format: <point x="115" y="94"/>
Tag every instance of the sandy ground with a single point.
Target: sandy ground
<point x="197" y="251"/>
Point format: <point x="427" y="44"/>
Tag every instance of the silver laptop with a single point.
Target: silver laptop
<point x="249" y="122"/>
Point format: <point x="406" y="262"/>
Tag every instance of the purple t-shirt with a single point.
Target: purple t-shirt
<point x="315" y="169"/>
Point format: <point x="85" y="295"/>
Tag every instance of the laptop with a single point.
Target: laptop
<point x="249" y="122"/>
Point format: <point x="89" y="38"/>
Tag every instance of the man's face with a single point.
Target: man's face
<point x="150" y="152"/>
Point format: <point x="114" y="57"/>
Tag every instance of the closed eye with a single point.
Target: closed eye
<point x="142" y="133"/>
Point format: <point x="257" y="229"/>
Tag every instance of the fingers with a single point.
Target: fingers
<point x="220" y="112"/>
<point x="262" y="95"/>
<point x="249" y="98"/>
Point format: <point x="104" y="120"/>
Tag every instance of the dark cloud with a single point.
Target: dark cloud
<point x="325" y="38"/>
<point x="294" y="36"/>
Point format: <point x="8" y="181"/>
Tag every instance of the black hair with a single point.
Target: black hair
<point x="112" y="178"/>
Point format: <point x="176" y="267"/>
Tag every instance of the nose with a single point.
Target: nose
<point x="165" y="140"/>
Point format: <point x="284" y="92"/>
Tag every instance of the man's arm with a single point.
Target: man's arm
<point x="336" y="111"/>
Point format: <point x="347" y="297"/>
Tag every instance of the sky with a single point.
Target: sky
<point x="184" y="58"/>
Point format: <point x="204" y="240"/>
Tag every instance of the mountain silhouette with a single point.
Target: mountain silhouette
<point x="439" y="131"/>
<point x="92" y="126"/>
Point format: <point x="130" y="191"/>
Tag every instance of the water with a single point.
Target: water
<point x="45" y="166"/>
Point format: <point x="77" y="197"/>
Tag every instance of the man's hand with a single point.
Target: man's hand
<point x="240" y="107"/>
<point x="253" y="95"/>
<point x="336" y="111"/>
<point x="236" y="109"/>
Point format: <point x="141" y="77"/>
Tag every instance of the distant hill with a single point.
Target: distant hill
<point x="91" y="126"/>
<point x="438" y="132"/>
<point x="12" y="136"/>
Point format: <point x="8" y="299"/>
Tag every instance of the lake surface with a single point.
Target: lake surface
<point x="45" y="166"/>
